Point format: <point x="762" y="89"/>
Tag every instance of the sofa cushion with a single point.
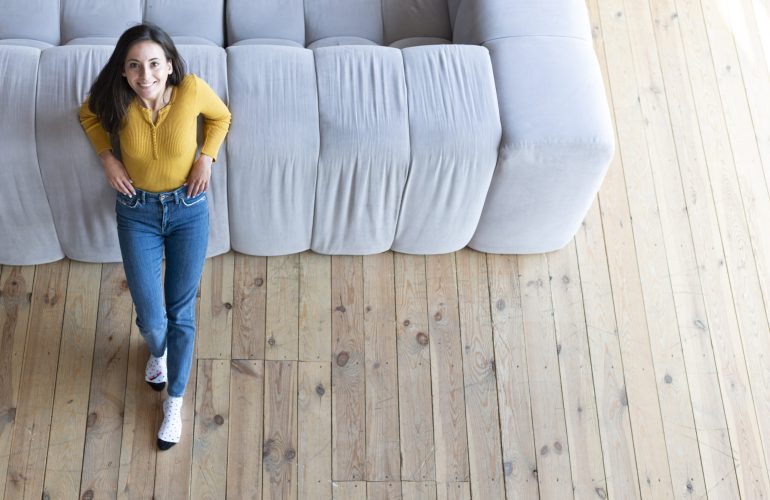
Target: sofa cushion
<point x="94" y="40"/>
<point x="557" y="143"/>
<point x="413" y="18"/>
<point x="364" y="154"/>
<point x="192" y="40"/>
<point x="30" y="19"/>
<point x="81" y="200"/>
<point x="26" y="42"/>
<point x="188" y="18"/>
<point x="479" y="21"/>
<point x="28" y="235"/>
<point x="334" y="41"/>
<point x="268" y="41"/>
<point x="455" y="135"/>
<point x="265" y="19"/>
<point x="418" y="41"/>
<point x="274" y="141"/>
<point x="86" y="18"/>
<point x="327" y="18"/>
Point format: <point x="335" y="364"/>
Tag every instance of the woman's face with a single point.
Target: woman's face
<point x="146" y="69"/>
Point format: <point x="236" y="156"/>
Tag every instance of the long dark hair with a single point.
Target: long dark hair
<point x="110" y="95"/>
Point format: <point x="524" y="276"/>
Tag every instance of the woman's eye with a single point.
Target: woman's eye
<point x="154" y="64"/>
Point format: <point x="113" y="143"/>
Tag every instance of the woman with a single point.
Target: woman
<point x="143" y="95"/>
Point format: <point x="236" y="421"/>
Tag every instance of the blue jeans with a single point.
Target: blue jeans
<point x="148" y="224"/>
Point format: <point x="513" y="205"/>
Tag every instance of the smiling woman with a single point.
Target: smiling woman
<point x="143" y="95"/>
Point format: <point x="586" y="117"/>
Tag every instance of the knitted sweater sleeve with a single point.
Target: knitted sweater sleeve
<point x="99" y="137"/>
<point x="216" y="118"/>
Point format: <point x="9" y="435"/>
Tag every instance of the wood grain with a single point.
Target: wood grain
<point x="279" y="448"/>
<point x="244" y="460"/>
<point x="106" y="406"/>
<point x="282" y="321"/>
<point x="249" y="301"/>
<point x="382" y="430"/>
<point x="348" y="387"/>
<point x="449" y="424"/>
<point x="31" y="431"/>
<point x="418" y="462"/>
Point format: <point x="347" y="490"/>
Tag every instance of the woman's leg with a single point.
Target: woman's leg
<point x="186" y="243"/>
<point x="141" y="245"/>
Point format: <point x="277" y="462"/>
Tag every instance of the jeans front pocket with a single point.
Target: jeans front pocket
<point x="129" y="201"/>
<point x="188" y="202"/>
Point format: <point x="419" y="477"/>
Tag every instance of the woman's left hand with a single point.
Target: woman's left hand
<point x="200" y="174"/>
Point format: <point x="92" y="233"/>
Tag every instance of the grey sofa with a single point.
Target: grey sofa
<point x="358" y="126"/>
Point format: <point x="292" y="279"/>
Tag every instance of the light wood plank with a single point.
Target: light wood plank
<point x="479" y="370"/>
<point x="29" y="446"/>
<point x="282" y="327"/>
<point x="244" y="460"/>
<point x="548" y="419"/>
<point x="662" y="235"/>
<point x="418" y="462"/>
<point x="603" y="332"/>
<point x="382" y="432"/>
<point x="517" y="435"/>
<point x="449" y="424"/>
<point x="348" y="389"/>
<point x="606" y="362"/>
<point x="315" y="327"/>
<point x="106" y="407"/>
<point x="454" y="491"/>
<point x="418" y="490"/>
<point x="214" y="338"/>
<point x="744" y="126"/>
<point x="314" y="429"/>
<point x="383" y="490"/>
<point x="212" y="422"/>
<point x="349" y="490"/>
<point x="662" y="117"/>
<point x="136" y="475"/>
<point x="15" y="300"/>
<point x="250" y="296"/>
<point x="727" y="283"/>
<point x="653" y="461"/>
<point x="744" y="23"/>
<point x="173" y="467"/>
<point x="585" y="447"/>
<point x="70" y="408"/>
<point x="279" y="450"/>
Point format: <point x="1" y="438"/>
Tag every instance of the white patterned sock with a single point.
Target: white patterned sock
<point x="155" y="372"/>
<point x="171" y="429"/>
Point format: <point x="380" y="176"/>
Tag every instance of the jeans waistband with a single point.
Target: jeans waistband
<point x="176" y="195"/>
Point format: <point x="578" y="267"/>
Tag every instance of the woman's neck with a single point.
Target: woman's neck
<point x="159" y="103"/>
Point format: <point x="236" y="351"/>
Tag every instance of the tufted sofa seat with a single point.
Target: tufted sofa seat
<point x="358" y="126"/>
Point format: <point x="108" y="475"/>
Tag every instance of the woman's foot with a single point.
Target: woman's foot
<point x="171" y="429"/>
<point x="155" y="372"/>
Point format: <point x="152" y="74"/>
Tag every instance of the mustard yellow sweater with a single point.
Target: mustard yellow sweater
<point x="158" y="156"/>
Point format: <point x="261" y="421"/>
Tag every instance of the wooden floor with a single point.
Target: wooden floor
<point x="634" y="363"/>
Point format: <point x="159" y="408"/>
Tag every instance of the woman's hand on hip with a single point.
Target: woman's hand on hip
<point x="116" y="174"/>
<point x="200" y="174"/>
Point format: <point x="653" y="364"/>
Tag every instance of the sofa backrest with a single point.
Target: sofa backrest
<point x="63" y="22"/>
<point x="195" y="21"/>
<point x="380" y="21"/>
<point x="30" y="20"/>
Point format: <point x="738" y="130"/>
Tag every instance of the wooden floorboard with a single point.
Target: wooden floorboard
<point x="632" y="363"/>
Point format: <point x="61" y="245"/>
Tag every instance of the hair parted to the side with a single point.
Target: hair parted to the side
<point x="110" y="95"/>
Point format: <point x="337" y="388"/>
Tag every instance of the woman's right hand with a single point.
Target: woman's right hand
<point x="116" y="173"/>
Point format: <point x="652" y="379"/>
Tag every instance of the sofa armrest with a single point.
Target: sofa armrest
<point x="557" y="142"/>
<point x="479" y="21"/>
